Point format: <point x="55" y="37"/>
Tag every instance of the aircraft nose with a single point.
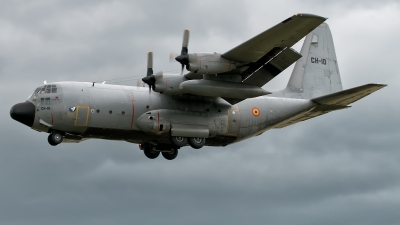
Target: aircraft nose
<point x="23" y="112"/>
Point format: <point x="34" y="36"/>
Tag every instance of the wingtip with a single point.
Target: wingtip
<point x="381" y="85"/>
<point x="308" y="15"/>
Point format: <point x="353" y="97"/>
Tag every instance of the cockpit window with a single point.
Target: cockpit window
<point x="48" y="89"/>
<point x="34" y="94"/>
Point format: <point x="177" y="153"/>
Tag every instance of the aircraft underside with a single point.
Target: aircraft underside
<point x="140" y="137"/>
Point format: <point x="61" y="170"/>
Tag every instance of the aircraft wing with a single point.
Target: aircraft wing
<point x="331" y="102"/>
<point x="285" y="34"/>
<point x="268" y="54"/>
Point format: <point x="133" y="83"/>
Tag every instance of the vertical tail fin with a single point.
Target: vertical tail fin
<point x="317" y="72"/>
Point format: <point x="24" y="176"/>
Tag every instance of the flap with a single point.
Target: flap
<point x="274" y="67"/>
<point x="284" y="34"/>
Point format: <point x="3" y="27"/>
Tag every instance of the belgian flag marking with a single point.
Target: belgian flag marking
<point x="255" y="111"/>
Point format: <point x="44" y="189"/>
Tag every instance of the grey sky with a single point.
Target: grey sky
<point x="340" y="168"/>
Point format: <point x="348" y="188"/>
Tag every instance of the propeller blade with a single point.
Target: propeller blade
<point x="185" y="42"/>
<point x="139" y="83"/>
<point x="149" y="63"/>
<point x="172" y="56"/>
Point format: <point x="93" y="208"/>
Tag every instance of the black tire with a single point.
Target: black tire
<point x="150" y="152"/>
<point x="170" y="155"/>
<point x="179" y="141"/>
<point x="51" y="141"/>
<point x="55" y="138"/>
<point x="196" y="142"/>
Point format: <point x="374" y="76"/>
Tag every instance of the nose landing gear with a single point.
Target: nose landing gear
<point x="55" y="138"/>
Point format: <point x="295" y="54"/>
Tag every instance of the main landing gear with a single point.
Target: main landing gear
<point x="55" y="138"/>
<point x="194" y="142"/>
<point x="152" y="152"/>
<point x="170" y="151"/>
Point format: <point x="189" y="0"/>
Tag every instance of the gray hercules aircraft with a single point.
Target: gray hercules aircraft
<point x="220" y="100"/>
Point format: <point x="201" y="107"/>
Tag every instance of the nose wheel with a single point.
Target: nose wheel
<point x="55" y="138"/>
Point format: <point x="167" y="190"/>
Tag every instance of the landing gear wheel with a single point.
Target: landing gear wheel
<point x="196" y="142"/>
<point x="150" y="152"/>
<point x="51" y="141"/>
<point x="55" y="138"/>
<point x="171" y="154"/>
<point x="179" y="141"/>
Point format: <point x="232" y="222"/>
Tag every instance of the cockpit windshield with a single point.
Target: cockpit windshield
<point x="46" y="89"/>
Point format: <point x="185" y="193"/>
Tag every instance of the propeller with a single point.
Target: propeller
<point x="183" y="58"/>
<point x="150" y="79"/>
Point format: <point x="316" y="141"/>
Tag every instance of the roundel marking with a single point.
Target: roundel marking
<point x="255" y="111"/>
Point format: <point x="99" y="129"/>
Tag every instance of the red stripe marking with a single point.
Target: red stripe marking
<point x="52" y="122"/>
<point x="133" y="113"/>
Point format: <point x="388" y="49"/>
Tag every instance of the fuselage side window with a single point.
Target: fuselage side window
<point x="47" y="101"/>
<point x="42" y="101"/>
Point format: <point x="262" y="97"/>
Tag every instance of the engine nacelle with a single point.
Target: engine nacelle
<point x="168" y="83"/>
<point x="209" y="63"/>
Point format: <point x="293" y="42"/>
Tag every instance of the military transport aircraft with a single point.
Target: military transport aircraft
<point x="220" y="101"/>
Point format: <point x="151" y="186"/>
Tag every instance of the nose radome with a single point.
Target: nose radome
<point x="23" y="112"/>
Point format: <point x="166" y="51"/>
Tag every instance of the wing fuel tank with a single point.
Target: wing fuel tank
<point x="222" y="89"/>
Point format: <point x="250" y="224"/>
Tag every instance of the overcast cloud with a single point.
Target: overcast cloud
<point x="340" y="168"/>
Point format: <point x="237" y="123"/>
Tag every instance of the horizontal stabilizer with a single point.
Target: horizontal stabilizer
<point x="346" y="97"/>
<point x="332" y="102"/>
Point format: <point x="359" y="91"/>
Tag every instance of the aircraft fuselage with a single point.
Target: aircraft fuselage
<point x="115" y="112"/>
